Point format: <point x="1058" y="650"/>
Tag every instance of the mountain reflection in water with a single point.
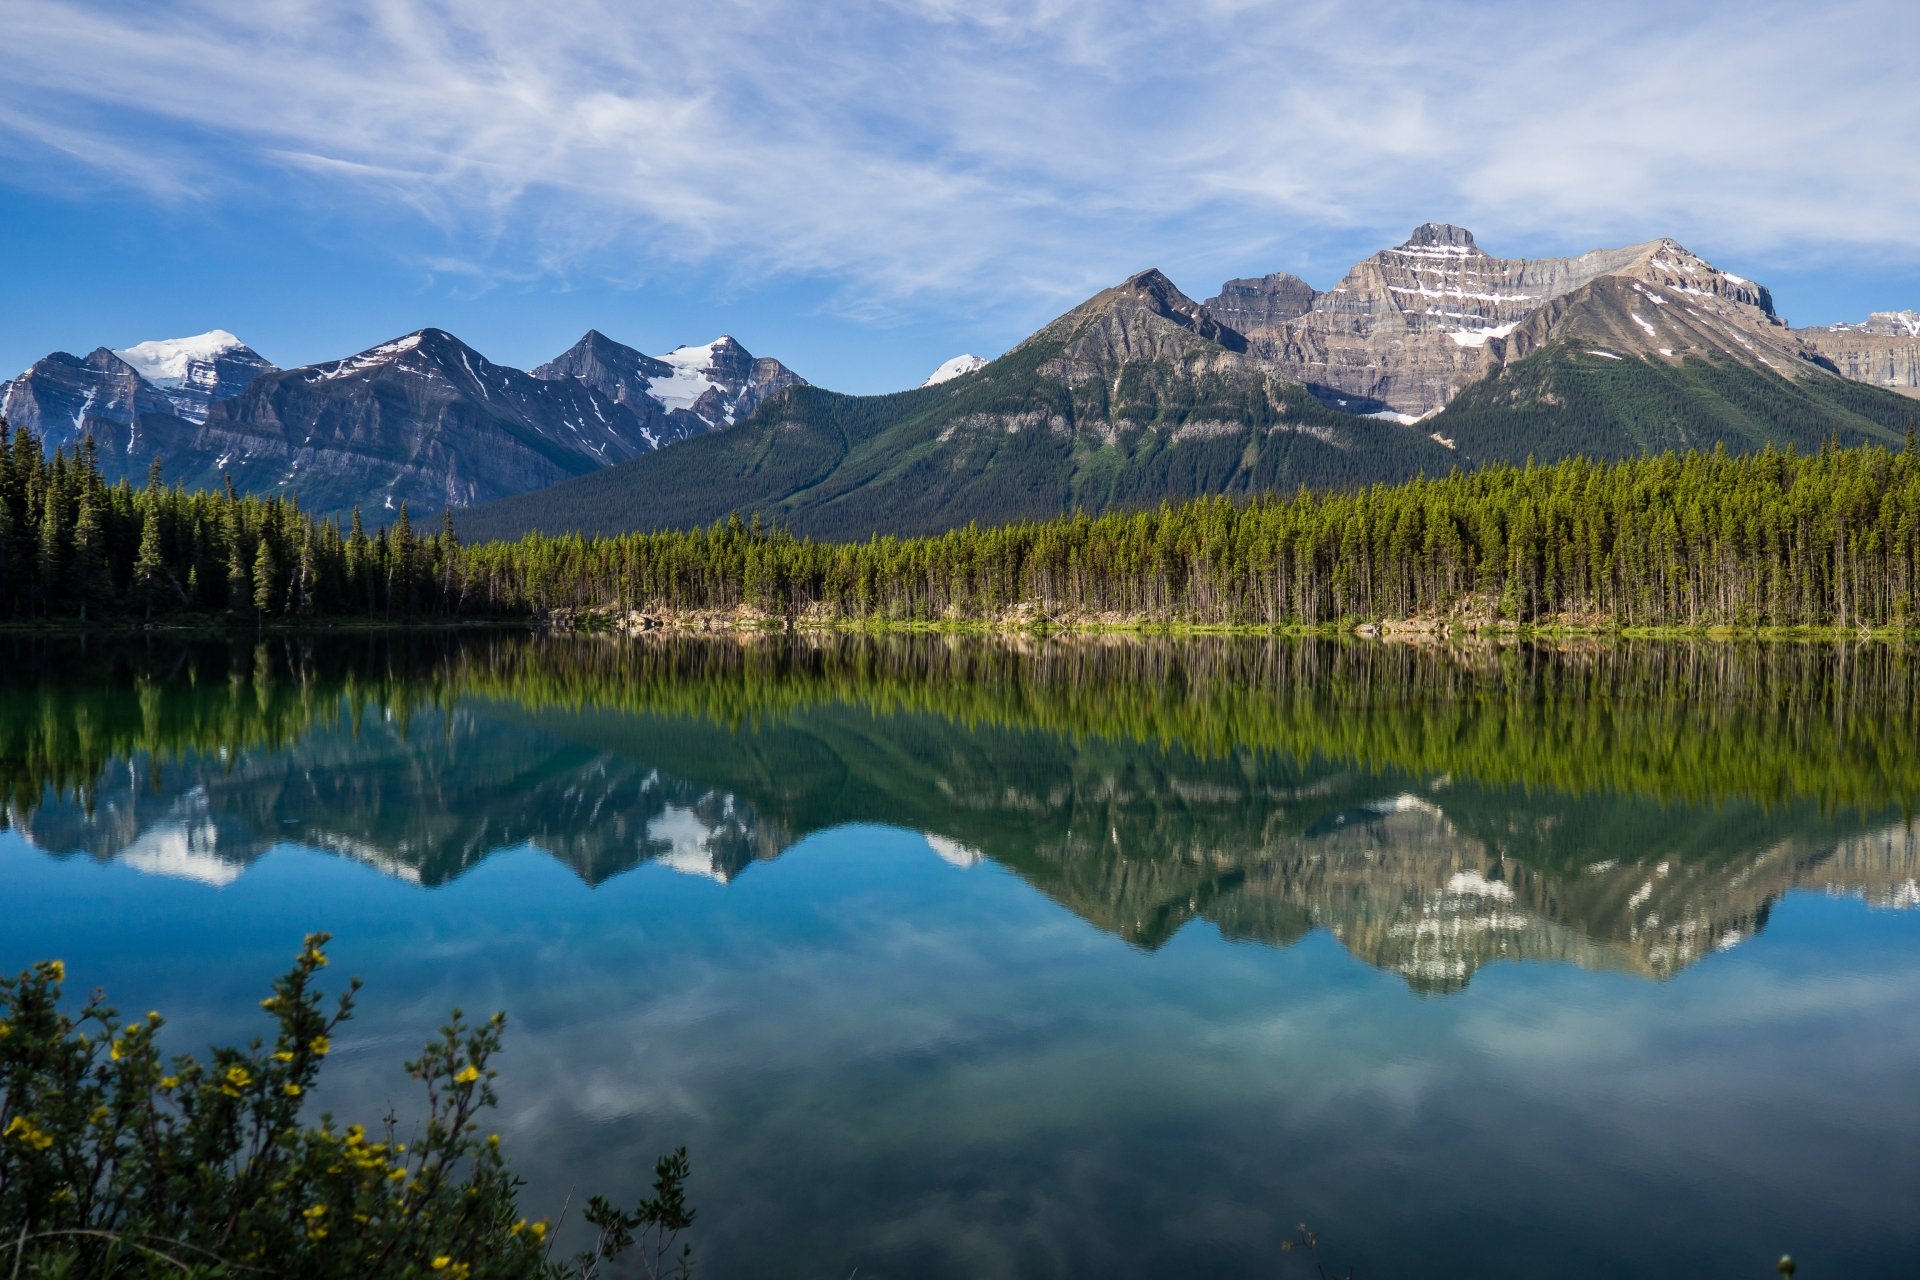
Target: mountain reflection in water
<point x="1630" y="807"/>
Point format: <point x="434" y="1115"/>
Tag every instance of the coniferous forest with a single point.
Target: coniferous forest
<point x="1775" y="538"/>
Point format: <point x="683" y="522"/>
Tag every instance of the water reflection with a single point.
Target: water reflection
<point x="1628" y="808"/>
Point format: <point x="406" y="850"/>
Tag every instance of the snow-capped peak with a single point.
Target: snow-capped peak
<point x="692" y="375"/>
<point x="954" y="368"/>
<point x="169" y="362"/>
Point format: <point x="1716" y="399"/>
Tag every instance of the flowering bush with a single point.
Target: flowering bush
<point x="117" y="1162"/>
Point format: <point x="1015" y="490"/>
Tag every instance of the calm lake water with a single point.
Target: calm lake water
<point x="1051" y="958"/>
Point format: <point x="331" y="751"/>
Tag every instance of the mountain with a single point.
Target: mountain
<point x="423" y="419"/>
<point x="196" y="373"/>
<point x="1137" y="395"/>
<point x="64" y="399"/>
<point x="1883" y="350"/>
<point x="1655" y="359"/>
<point x="1611" y="353"/>
<point x="1408" y="328"/>
<point x="954" y="368"/>
<point x="689" y="391"/>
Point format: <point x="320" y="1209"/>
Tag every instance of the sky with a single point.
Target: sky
<point x="865" y="188"/>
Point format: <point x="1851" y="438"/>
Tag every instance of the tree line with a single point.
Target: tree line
<point x="1775" y="538"/>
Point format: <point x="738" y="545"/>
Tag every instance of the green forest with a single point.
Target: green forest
<point x="1771" y="539"/>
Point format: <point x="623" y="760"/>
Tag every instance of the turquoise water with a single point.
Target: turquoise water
<point x="931" y="986"/>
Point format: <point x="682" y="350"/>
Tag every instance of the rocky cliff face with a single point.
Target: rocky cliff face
<point x="1262" y="305"/>
<point x="1884" y="350"/>
<point x="1409" y="328"/>
<point x="64" y="399"/>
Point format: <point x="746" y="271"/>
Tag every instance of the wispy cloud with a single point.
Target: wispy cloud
<point x="918" y="153"/>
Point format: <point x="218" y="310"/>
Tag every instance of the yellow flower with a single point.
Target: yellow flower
<point x="493" y="1140"/>
<point x="539" y="1230"/>
<point x="442" y="1262"/>
<point x="99" y="1116"/>
<point x="270" y="1003"/>
<point x="57" y="969"/>
<point x="314" y="1214"/>
<point x="467" y="1074"/>
<point x="238" y="1076"/>
<point x="113" y="1051"/>
<point x="320" y="1046"/>
<point x="398" y="1175"/>
<point x="518" y="1227"/>
<point x="291" y="1089"/>
<point x="284" y="1055"/>
<point x="24" y="1129"/>
<point x="169" y="1082"/>
<point x="6" y="1029"/>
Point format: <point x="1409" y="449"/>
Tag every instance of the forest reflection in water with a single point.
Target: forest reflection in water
<point x="1630" y="806"/>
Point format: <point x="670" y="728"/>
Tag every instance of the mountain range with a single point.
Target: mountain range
<point x="1424" y="357"/>
<point x="421" y="419"/>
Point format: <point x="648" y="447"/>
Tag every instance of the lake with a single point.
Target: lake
<point x="1050" y="957"/>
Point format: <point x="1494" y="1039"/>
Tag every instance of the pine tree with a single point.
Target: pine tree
<point x="263" y="578"/>
<point x="87" y="572"/>
<point x="149" y="567"/>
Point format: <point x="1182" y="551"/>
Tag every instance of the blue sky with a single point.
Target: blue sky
<point x="868" y="187"/>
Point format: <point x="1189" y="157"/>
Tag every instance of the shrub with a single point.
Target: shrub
<point x="115" y="1162"/>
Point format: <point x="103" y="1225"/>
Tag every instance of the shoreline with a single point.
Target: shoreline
<point x="606" y="623"/>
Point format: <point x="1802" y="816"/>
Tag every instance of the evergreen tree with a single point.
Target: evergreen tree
<point x="149" y="566"/>
<point x="263" y="578"/>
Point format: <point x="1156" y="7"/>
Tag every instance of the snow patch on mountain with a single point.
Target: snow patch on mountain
<point x="692" y="376"/>
<point x="954" y="368"/>
<point x="381" y="354"/>
<point x="173" y="362"/>
<point x="1478" y="337"/>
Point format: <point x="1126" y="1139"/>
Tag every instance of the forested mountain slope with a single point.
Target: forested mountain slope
<point x="1137" y="396"/>
<point x="1634" y="364"/>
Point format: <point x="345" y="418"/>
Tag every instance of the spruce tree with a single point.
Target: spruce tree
<point x="263" y="577"/>
<point x="149" y="567"/>
<point x="89" y="582"/>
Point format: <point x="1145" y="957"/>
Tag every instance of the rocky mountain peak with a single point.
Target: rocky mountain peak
<point x="1407" y="329"/>
<point x="1441" y="235"/>
<point x="65" y="398"/>
<point x="1668" y="264"/>
<point x="1249" y="304"/>
<point x="104" y="360"/>
<point x="1153" y="292"/>
<point x="1143" y="319"/>
<point x="1890" y="324"/>
<point x="1884" y="349"/>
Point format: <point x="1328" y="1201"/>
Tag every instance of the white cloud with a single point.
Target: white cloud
<point x="919" y="152"/>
